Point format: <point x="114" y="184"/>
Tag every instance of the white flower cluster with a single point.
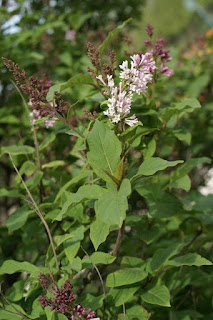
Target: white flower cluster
<point x="134" y="79"/>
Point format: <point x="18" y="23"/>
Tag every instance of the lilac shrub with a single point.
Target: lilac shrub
<point x="122" y="193"/>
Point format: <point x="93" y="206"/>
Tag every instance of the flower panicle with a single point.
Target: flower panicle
<point x="134" y="79"/>
<point x="37" y="90"/>
<point x="157" y="50"/>
<point x="106" y="68"/>
<point x="63" y="300"/>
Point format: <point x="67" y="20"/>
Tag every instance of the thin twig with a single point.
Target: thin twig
<point x="38" y="211"/>
<point x="17" y="314"/>
<point x="98" y="272"/>
<point x="33" y="127"/>
<point x="100" y="277"/>
<point x="17" y="311"/>
<point x="114" y="252"/>
<point x="124" y="310"/>
<point x="183" y="300"/>
<point x="185" y="249"/>
<point x="66" y="122"/>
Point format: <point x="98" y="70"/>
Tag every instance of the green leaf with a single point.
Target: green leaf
<point x="96" y="236"/>
<point x="54" y="164"/>
<point x="72" y="245"/>
<point x="77" y="19"/>
<point x="98" y="258"/>
<point x="61" y="238"/>
<point x="79" y="79"/>
<point x="91" y="302"/>
<point x="12" y="266"/>
<point x="129" y="262"/>
<point x="179" y="109"/>
<point x="104" y="150"/>
<point x="183" y="182"/>
<point x="49" y="139"/>
<point x="188" y="166"/>
<point x="151" y="165"/>
<point x="125" y="276"/>
<point x="89" y="192"/>
<point x="110" y="211"/>
<point x="10" y="119"/>
<point x="161" y="256"/>
<point x="204" y="203"/>
<point x="18" y="219"/>
<point x="197" y="85"/>
<point x="136" y="313"/>
<point x="110" y="37"/>
<point x="191" y="103"/>
<point x="28" y="168"/>
<point x="72" y="183"/>
<point x="16" y="291"/>
<point x="166" y="206"/>
<point x="150" y="235"/>
<point x="150" y="149"/>
<point x="76" y="264"/>
<point x="78" y="214"/>
<point x="158" y="295"/>
<point x="9" y="193"/>
<point x="190" y="259"/>
<point x="5" y="315"/>
<point x="131" y="131"/>
<point x="111" y="207"/>
<point x="34" y="181"/>
<point x="141" y="131"/>
<point x="182" y="136"/>
<point x="17" y="150"/>
<point x="118" y="296"/>
<point x="58" y="316"/>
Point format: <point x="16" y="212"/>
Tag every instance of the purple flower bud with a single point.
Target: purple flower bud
<point x="147" y="43"/>
<point x="149" y="30"/>
<point x="166" y="70"/>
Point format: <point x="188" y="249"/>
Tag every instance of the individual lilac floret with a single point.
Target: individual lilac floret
<point x="133" y="79"/>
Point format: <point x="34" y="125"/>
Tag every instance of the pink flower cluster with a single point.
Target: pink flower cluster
<point x="133" y="80"/>
<point x="63" y="300"/>
<point x="70" y="35"/>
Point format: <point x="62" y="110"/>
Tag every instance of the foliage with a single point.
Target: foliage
<point x="108" y="221"/>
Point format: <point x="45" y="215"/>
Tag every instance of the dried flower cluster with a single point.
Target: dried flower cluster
<point x="37" y="90"/>
<point x="133" y="79"/>
<point x="157" y="50"/>
<point x="105" y="69"/>
<point x="91" y="116"/>
<point x="63" y="299"/>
